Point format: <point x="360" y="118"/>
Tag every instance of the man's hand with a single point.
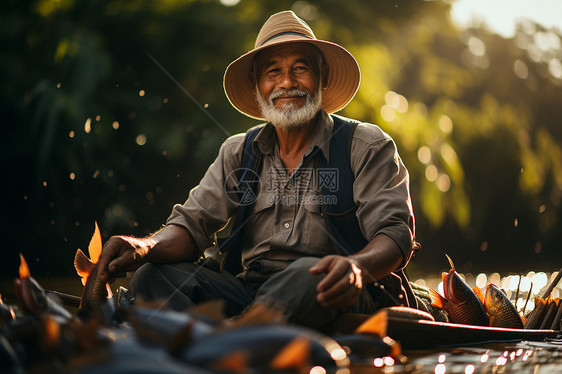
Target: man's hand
<point x="126" y="253"/>
<point x="121" y="254"/>
<point x="342" y="284"/>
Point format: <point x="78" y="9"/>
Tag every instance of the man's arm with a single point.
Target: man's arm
<point x="380" y="257"/>
<point x="381" y="191"/>
<point x="121" y="254"/>
<point x="345" y="274"/>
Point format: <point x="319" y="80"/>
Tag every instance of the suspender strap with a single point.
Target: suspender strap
<point x="336" y="182"/>
<point x="248" y="185"/>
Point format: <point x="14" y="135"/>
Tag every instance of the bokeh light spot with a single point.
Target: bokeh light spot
<point x="141" y="139"/>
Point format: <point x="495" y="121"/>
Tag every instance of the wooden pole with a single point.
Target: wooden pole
<point x="550" y="311"/>
<point x="556" y="323"/>
<point x="552" y="285"/>
<point x="535" y="317"/>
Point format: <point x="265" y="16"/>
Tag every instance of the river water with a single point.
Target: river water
<point x="512" y="357"/>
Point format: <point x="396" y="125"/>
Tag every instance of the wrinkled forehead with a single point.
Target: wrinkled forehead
<point x="294" y="51"/>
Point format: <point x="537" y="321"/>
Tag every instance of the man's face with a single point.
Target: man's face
<point x="288" y="84"/>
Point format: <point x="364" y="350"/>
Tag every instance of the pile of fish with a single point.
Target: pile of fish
<point x="113" y="333"/>
<point x="103" y="331"/>
<point x="493" y="307"/>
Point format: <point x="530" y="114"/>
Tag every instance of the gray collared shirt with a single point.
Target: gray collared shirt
<point x="286" y="222"/>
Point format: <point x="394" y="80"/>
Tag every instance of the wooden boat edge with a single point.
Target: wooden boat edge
<point x="427" y="334"/>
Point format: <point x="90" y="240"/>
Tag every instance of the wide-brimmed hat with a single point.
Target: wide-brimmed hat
<point x="281" y="28"/>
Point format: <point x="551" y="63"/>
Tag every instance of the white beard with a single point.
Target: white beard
<point x="289" y="116"/>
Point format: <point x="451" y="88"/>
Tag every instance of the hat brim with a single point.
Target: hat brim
<point x="341" y="84"/>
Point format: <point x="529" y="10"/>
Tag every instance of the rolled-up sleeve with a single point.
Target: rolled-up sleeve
<point x="382" y="188"/>
<point x="210" y="205"/>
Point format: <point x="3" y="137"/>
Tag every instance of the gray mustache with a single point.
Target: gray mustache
<point x="294" y="92"/>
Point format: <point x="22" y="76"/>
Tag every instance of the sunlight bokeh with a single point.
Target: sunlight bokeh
<point x="500" y="15"/>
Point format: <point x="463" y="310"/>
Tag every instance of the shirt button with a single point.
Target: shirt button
<point x="287" y="225"/>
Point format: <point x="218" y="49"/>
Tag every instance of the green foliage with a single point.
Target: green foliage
<point x="113" y="110"/>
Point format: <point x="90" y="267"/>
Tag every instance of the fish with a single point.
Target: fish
<point x="97" y="298"/>
<point x="501" y="311"/>
<point x="462" y="304"/>
<point x="266" y="348"/>
<point x="370" y="336"/>
<point x="258" y="340"/>
<point x="125" y="352"/>
<point x="7" y="314"/>
<point x="363" y="345"/>
<point x="168" y="327"/>
<point x="32" y="298"/>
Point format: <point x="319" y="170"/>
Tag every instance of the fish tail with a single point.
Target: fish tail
<point x="294" y="355"/>
<point x="83" y="265"/>
<point x="236" y="362"/>
<point x="377" y="324"/>
<point x="437" y="300"/>
<point x="478" y="291"/>
<point x="450" y="262"/>
<point x="95" y="246"/>
<point x="23" y="269"/>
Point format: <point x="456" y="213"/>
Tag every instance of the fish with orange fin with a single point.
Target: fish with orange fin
<point x="370" y="338"/>
<point x="258" y="341"/>
<point x="97" y="298"/>
<point x="32" y="298"/>
<point x="501" y="311"/>
<point x="266" y="348"/>
<point x="171" y="328"/>
<point x="462" y="304"/>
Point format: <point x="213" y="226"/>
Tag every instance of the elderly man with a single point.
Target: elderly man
<point x="323" y="218"/>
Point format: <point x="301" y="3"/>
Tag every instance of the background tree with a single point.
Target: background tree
<point x="112" y="111"/>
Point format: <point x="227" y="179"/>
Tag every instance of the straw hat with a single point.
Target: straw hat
<point x="281" y="28"/>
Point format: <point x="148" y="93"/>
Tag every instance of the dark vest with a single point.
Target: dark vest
<point x="336" y="181"/>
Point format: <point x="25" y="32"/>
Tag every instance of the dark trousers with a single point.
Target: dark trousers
<point x="292" y="290"/>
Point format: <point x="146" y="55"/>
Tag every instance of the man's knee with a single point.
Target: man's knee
<point x="143" y="276"/>
<point x="294" y="282"/>
<point x="293" y="290"/>
<point x="302" y="265"/>
<point x="155" y="280"/>
<point x="298" y="274"/>
<point x="170" y="283"/>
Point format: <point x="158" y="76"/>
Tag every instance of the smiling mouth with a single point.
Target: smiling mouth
<point x="288" y="94"/>
<point x="288" y="97"/>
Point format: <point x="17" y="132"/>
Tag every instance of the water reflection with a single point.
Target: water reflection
<point x="513" y="357"/>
